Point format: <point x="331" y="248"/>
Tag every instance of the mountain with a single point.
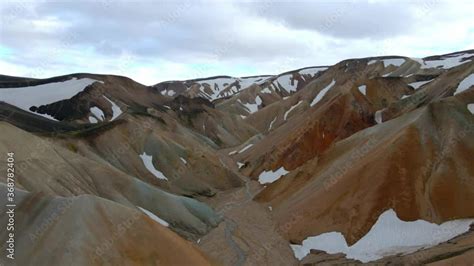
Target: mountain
<point x="365" y="161"/>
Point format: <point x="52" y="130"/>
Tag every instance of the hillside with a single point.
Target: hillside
<point x="313" y="166"/>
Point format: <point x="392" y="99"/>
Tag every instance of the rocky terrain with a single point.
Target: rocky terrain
<point x="368" y="161"/>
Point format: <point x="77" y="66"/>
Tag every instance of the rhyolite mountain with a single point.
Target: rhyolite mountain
<point x="369" y="161"/>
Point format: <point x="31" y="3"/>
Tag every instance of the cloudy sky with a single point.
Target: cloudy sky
<point x="153" y="41"/>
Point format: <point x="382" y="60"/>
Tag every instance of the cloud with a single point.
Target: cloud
<point x="343" y="19"/>
<point x="155" y="41"/>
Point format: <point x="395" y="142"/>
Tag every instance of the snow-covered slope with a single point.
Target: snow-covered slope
<point x="445" y="61"/>
<point x="388" y="236"/>
<point x="218" y="87"/>
<point x="35" y="96"/>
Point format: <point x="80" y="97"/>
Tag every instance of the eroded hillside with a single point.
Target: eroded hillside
<point x="259" y="170"/>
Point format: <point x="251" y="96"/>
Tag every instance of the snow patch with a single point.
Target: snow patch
<point x="271" y="123"/>
<point x="183" y="160"/>
<point x="418" y="84"/>
<point x="240" y="165"/>
<point x="285" y="82"/>
<point x="312" y="71"/>
<point x="291" y="109"/>
<point x="394" y="62"/>
<point x="217" y="85"/>
<point x="321" y="94"/>
<point x="362" y="89"/>
<point x="148" y="162"/>
<point x="465" y="84"/>
<point x="26" y="97"/>
<point x="154" y="217"/>
<point x="266" y="90"/>
<point x="93" y="120"/>
<point x="98" y="113"/>
<point x="470" y="107"/>
<point x="245" y="148"/>
<point x="445" y="62"/>
<point x="247" y="82"/>
<point x="388" y="236"/>
<point x="378" y="116"/>
<point x="116" y="111"/>
<point x="386" y="62"/>
<point x="253" y="107"/>
<point x="171" y="93"/>
<point x="168" y="92"/>
<point x="270" y="176"/>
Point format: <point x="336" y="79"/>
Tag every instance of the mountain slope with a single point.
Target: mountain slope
<point x="417" y="164"/>
<point x="336" y="105"/>
<point x="247" y="170"/>
<point x="110" y="234"/>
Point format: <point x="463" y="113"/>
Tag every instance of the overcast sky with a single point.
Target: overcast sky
<point x="152" y="41"/>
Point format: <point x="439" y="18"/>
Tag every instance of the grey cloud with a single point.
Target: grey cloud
<point x="169" y="30"/>
<point x="201" y="32"/>
<point x="343" y="19"/>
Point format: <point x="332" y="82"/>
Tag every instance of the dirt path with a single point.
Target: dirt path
<point x="230" y="227"/>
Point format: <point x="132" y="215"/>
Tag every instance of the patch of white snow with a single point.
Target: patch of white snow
<point x="373" y="61"/>
<point x="116" y="111"/>
<point x="253" y="107"/>
<point x="386" y="62"/>
<point x="154" y="217"/>
<point x="418" y="84"/>
<point x="26" y="97"/>
<point x="291" y="109"/>
<point x="321" y="94"/>
<point x="394" y="62"/>
<point x="148" y="162"/>
<point x="285" y="82"/>
<point x="362" y="89"/>
<point x="378" y="116"/>
<point x="245" y="148"/>
<point x="465" y="84"/>
<point x="271" y="123"/>
<point x="470" y="107"/>
<point x="312" y="71"/>
<point x="98" y="113"/>
<point x="388" y="236"/>
<point x="445" y="62"/>
<point x="270" y="176"/>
